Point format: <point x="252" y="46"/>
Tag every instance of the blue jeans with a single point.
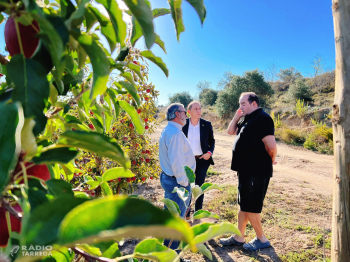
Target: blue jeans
<point x="169" y="183"/>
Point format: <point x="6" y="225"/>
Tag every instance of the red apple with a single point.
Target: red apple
<point x="139" y="111"/>
<point x="146" y="120"/>
<point x="147" y="160"/>
<point x="151" y="177"/>
<point x="147" y="152"/>
<point x="130" y="125"/>
<point x="135" y="62"/>
<point x="133" y="179"/>
<point x="146" y="127"/>
<point x="146" y="98"/>
<point x="133" y="162"/>
<point x="119" y="179"/>
<point x="148" y="90"/>
<point x="143" y="179"/>
<point x="29" y="41"/>
<point x="141" y="159"/>
<point x="91" y="126"/>
<point x="15" y="224"/>
<point x="39" y="171"/>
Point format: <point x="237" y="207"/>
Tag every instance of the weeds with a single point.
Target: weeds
<point x="290" y="136"/>
<point x="212" y="172"/>
<point x="321" y="139"/>
<point x="276" y="120"/>
<point x="301" y="108"/>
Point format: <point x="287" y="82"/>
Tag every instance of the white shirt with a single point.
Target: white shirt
<point x="175" y="152"/>
<point x="194" y="138"/>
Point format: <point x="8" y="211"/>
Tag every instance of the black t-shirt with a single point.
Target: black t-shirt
<point x="249" y="154"/>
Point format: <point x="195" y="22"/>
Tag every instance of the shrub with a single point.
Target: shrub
<point x="301" y="108"/>
<point x="289" y="75"/>
<point x="208" y="96"/>
<point x="251" y="81"/>
<point x="290" y="136"/>
<point x="324" y="83"/>
<point x="321" y="139"/>
<point x="276" y="120"/>
<point x="300" y="90"/>
<point x="184" y="98"/>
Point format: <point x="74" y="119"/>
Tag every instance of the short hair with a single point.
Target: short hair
<point x="191" y="104"/>
<point x="252" y="97"/>
<point x="170" y="111"/>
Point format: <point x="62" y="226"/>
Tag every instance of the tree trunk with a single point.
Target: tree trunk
<point x="341" y="134"/>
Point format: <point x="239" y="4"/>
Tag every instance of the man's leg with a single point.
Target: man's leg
<point x="202" y="166"/>
<point x="168" y="184"/>
<point x="255" y="221"/>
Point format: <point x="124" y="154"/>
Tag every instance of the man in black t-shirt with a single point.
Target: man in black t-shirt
<point x="254" y="153"/>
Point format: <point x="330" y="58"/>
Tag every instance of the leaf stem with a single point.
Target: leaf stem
<point x="19" y="38"/>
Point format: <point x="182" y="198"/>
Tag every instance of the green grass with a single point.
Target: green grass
<point x="212" y="172"/>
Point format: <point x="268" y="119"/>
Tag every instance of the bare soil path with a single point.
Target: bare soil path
<point x="301" y="187"/>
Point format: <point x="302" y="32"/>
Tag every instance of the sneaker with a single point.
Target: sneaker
<point x="231" y="241"/>
<point x="256" y="244"/>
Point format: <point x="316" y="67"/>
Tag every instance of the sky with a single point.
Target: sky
<point x="238" y="36"/>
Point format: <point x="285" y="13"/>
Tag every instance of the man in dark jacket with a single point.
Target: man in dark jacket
<point x="254" y="153"/>
<point x="199" y="133"/>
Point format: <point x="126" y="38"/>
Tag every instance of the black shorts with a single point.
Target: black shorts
<point x="251" y="192"/>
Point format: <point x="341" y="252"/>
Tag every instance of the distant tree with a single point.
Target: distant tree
<point x="203" y="85"/>
<point x="289" y="75"/>
<point x="271" y="72"/>
<point x="251" y="81"/>
<point x="184" y="98"/>
<point x="299" y="90"/>
<point x="318" y="65"/>
<point x="208" y="96"/>
<point x="225" y="79"/>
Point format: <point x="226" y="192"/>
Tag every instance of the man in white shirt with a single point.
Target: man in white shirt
<point x="199" y="133"/>
<point x="174" y="153"/>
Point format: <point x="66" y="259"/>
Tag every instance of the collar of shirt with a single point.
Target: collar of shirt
<point x="172" y="123"/>
<point x="252" y="114"/>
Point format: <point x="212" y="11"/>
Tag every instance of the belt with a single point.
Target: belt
<point x="165" y="174"/>
<point x="198" y="156"/>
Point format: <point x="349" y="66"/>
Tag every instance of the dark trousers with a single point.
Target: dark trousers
<point x="202" y="166"/>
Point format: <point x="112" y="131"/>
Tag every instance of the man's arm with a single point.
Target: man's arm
<point x="232" y="128"/>
<point x="271" y="148"/>
<point x="177" y="159"/>
<point x="211" y="143"/>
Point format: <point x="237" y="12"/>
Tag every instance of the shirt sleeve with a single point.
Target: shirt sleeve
<point x="177" y="157"/>
<point x="266" y="127"/>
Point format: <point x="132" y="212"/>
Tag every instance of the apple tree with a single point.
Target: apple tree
<point x="64" y="95"/>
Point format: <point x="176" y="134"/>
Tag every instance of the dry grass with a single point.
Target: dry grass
<point x="298" y="226"/>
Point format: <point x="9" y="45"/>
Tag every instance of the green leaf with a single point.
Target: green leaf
<point x="116" y="17"/>
<point x="56" y="155"/>
<point x="32" y="88"/>
<point x="190" y="174"/>
<point x="198" y="5"/>
<point x="106" y="27"/>
<point x="82" y="195"/>
<point x="58" y="187"/>
<point x="99" y="63"/>
<point x="157" y="60"/>
<point x="77" y="16"/>
<point x="136" y="31"/>
<point x="112" y="251"/>
<point x="115" y="173"/>
<point x="67" y="8"/>
<point x="196" y="191"/>
<point x="106" y="189"/>
<point x="143" y="14"/>
<point x="205" y="251"/>
<point x="206" y="231"/>
<point x="160" y="43"/>
<point x="129" y="77"/>
<point x="182" y="193"/>
<point x="136" y="69"/>
<point x="43" y="224"/>
<point x="122" y="54"/>
<point x="55" y="35"/>
<point x="62" y="254"/>
<point x="135" y="117"/>
<point x="97" y="124"/>
<point x="126" y="217"/>
<point x="172" y="206"/>
<point x="204" y="214"/>
<point x="160" y="11"/>
<point x="209" y="186"/>
<point x="176" y="14"/>
<point x="153" y="250"/>
<point x="90" y="19"/>
<point x="97" y="143"/>
<point x="132" y="90"/>
<point x="90" y="249"/>
<point x="28" y="139"/>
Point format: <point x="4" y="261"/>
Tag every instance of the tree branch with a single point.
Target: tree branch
<point x="10" y="209"/>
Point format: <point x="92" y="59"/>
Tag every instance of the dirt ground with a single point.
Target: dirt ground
<point x="301" y="176"/>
